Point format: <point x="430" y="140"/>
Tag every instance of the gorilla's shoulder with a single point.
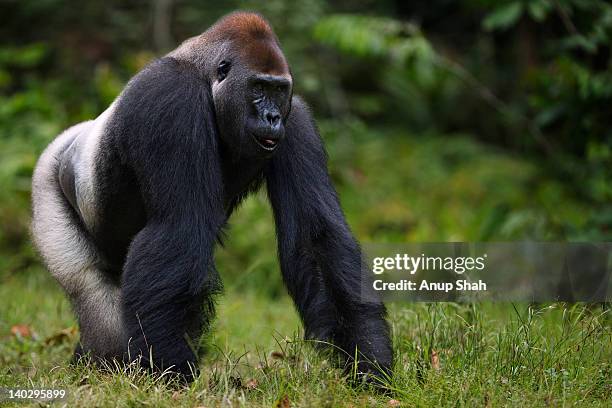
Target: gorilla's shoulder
<point x="300" y="115"/>
<point x="166" y="74"/>
<point x="298" y="103"/>
<point x="164" y="93"/>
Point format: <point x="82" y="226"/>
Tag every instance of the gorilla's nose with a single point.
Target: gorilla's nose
<point x="273" y="118"/>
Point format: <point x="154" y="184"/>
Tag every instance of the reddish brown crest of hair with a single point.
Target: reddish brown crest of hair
<point x="252" y="35"/>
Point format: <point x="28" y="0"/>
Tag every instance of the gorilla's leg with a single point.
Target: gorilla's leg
<point x="168" y="286"/>
<point x="71" y="257"/>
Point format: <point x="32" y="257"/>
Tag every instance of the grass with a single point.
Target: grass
<point x="446" y="355"/>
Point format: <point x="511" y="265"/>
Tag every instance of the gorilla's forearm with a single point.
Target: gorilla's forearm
<point x="320" y="259"/>
<point x="167" y="277"/>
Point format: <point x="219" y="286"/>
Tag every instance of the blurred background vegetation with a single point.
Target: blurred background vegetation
<point x="444" y="120"/>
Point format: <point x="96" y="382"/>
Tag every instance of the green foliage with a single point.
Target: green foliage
<point x="568" y="94"/>
<point x="555" y="111"/>
<point x="23" y="57"/>
<point x="508" y="13"/>
<point x="361" y="35"/>
<point x="503" y="17"/>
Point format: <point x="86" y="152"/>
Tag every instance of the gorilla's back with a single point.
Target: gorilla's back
<point x="102" y="191"/>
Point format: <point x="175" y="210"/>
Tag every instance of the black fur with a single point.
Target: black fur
<point x="320" y="260"/>
<point x="164" y="132"/>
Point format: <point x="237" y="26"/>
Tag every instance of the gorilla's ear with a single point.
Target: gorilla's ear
<point x="164" y="122"/>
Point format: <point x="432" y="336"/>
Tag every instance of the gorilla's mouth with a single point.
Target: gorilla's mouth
<point x="266" y="143"/>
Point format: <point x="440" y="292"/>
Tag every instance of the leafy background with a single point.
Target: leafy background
<point x="444" y="120"/>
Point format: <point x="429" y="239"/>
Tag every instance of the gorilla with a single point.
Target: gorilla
<point x="128" y="207"/>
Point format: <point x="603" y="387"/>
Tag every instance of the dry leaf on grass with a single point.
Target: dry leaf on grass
<point x="61" y="336"/>
<point x="283" y="402"/>
<point x="21" y="331"/>
<point x="435" y="360"/>
<point x="251" y="384"/>
<point x="277" y="355"/>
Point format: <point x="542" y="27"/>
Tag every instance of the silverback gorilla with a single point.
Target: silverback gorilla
<point x="127" y="208"/>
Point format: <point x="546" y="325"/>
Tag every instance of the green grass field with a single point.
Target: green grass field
<point x="446" y="355"/>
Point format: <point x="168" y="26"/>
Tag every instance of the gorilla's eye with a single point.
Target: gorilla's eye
<point x="223" y="70"/>
<point x="258" y="93"/>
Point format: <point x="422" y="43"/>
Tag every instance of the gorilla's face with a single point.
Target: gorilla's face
<point x="251" y="105"/>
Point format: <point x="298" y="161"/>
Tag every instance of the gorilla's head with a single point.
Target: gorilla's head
<point x="250" y="81"/>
